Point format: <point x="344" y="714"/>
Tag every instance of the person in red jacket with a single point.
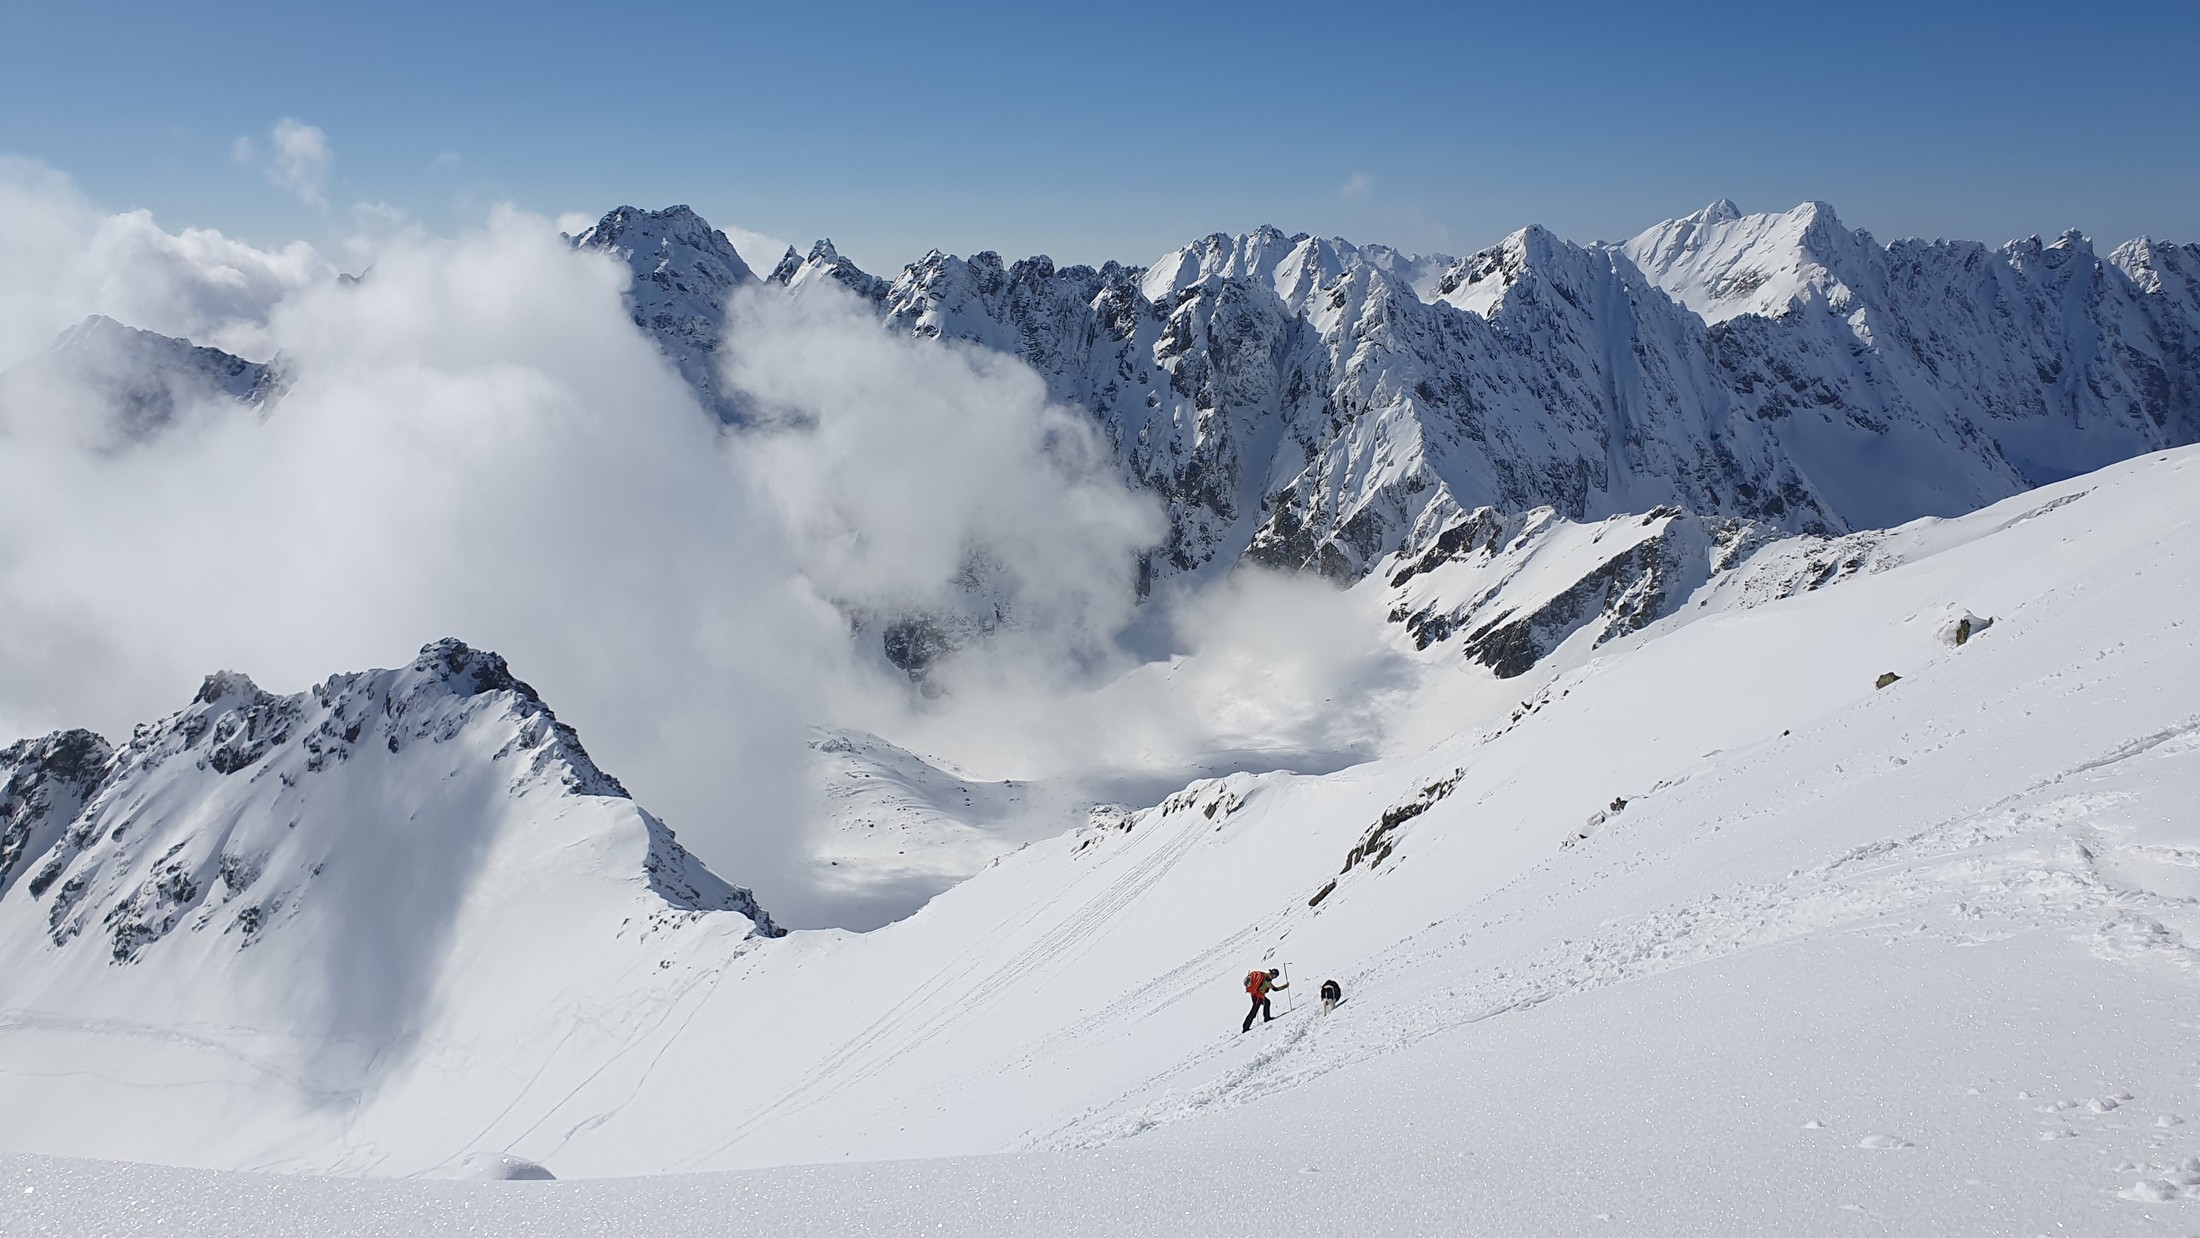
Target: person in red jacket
<point x="1259" y="985"/>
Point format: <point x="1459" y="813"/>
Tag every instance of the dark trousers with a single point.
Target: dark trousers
<point x="1260" y="1007"/>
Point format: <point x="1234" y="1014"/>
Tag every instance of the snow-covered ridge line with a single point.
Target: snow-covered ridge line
<point x="195" y="821"/>
<point x="1311" y="404"/>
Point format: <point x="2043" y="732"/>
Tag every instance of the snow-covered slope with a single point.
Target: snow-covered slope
<point x="1706" y="878"/>
<point x="1309" y="403"/>
<point x="897" y="829"/>
<point x="117" y="385"/>
<point x="1720" y="262"/>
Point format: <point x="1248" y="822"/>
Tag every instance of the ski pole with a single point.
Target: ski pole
<point x="1288" y="989"/>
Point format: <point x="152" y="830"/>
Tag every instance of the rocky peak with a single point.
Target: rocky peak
<point x="223" y="686"/>
<point x="468" y="671"/>
<point x="1722" y="263"/>
<point x="1253" y="256"/>
<point x="826" y="263"/>
<point x="683" y="272"/>
<point x="674" y="248"/>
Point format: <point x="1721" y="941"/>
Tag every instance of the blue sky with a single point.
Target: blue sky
<point x="1123" y="129"/>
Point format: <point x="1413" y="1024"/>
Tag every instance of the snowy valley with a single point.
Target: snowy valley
<point x="1738" y="762"/>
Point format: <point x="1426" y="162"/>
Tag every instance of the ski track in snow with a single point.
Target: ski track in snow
<point x="699" y="989"/>
<point x="942" y="1000"/>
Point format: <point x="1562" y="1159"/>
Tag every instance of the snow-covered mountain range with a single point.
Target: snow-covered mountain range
<point x="1311" y="403"/>
<point x="1316" y="405"/>
<point x="1782" y="624"/>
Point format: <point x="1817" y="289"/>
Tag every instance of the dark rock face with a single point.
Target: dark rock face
<point x="44" y="783"/>
<point x="914" y="644"/>
<point x="1621" y="576"/>
<point x="1629" y="592"/>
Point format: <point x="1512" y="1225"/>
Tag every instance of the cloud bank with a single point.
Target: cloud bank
<point x="477" y="441"/>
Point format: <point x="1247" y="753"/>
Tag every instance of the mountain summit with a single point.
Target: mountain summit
<point x="684" y="270"/>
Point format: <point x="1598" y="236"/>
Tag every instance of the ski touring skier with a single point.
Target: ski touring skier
<point x="1258" y="985"/>
<point x="1332" y="993"/>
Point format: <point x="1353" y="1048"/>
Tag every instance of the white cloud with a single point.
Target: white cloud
<point x="448" y="159"/>
<point x="760" y="250"/>
<point x="301" y="160"/>
<point x="48" y="224"/>
<point x="895" y="463"/>
<point x="478" y="442"/>
<point x="1357" y="186"/>
<point x="243" y="151"/>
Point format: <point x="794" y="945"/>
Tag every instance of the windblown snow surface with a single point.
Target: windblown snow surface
<point x="1692" y="928"/>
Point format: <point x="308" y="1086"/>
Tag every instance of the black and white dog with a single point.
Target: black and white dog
<point x="1332" y="993"/>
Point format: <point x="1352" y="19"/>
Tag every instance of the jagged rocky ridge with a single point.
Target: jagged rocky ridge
<point x="1299" y="403"/>
<point x="221" y="817"/>
<point x="1310" y="404"/>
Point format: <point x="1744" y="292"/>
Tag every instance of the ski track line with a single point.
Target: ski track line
<point x="2130" y="749"/>
<point x="1176" y="985"/>
<point x="1087" y="920"/>
<point x="666" y="1004"/>
<point x="212" y="1041"/>
<point x="664" y="1046"/>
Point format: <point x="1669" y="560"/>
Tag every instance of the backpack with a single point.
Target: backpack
<point x="1255" y="981"/>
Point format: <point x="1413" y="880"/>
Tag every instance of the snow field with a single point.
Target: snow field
<point x="1849" y="959"/>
